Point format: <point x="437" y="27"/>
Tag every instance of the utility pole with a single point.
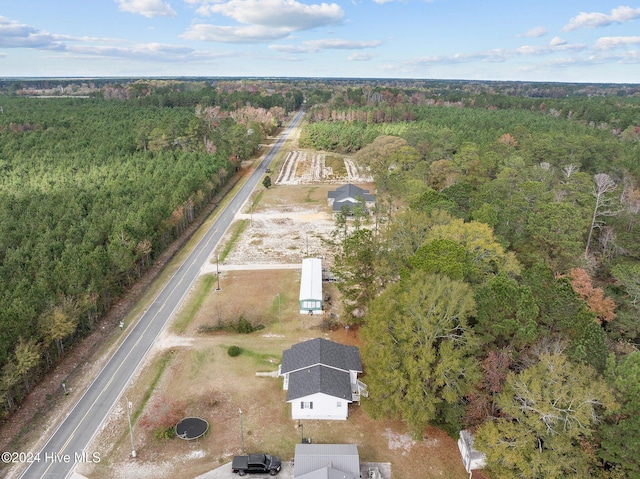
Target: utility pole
<point x="133" y="447"/>
<point x="218" y="272"/>
<point x="279" y="312"/>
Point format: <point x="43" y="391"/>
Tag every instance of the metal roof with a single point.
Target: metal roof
<point x="326" y="473"/>
<point x="310" y="458"/>
<point x="311" y="279"/>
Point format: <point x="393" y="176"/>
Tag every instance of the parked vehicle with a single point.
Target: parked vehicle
<point x="256" y="463"/>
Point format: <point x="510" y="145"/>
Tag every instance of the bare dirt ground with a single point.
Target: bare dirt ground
<point x="302" y="167"/>
<point x="289" y="223"/>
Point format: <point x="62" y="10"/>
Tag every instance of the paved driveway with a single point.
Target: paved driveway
<point x="224" y="472"/>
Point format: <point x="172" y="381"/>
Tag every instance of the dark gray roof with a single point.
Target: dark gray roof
<point x="319" y="379"/>
<point x="310" y="458"/>
<point x="350" y="191"/>
<point x="321" y="351"/>
<point x="338" y="205"/>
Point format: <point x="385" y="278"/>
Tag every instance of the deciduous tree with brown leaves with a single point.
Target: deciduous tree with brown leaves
<point x="603" y="306"/>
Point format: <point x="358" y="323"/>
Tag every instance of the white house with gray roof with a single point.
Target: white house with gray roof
<point x="321" y="379"/>
<point x="326" y="461"/>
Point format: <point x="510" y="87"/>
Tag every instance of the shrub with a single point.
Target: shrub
<point x="163" y="416"/>
<point x="244" y="326"/>
<point x="234" y="351"/>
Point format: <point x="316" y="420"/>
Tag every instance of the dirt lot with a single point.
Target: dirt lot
<point x="302" y="167"/>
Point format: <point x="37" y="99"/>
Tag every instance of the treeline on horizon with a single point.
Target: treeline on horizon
<point x="499" y="288"/>
<point x="93" y="190"/>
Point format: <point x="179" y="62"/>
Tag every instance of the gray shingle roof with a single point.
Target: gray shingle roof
<point x="321" y="351"/>
<point x="352" y="191"/>
<point x="319" y="379"/>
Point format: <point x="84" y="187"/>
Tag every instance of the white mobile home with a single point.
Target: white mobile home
<point x="311" y="286"/>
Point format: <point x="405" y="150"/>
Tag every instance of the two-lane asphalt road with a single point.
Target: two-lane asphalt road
<point x="69" y="442"/>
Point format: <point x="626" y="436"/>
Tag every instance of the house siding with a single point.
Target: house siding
<point x="324" y="407"/>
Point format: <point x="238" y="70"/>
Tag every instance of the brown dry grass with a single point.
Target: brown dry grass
<point x="215" y="386"/>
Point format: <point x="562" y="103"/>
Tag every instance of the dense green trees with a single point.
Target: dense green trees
<point x="419" y="349"/>
<point x="620" y="435"/>
<point x="91" y="190"/>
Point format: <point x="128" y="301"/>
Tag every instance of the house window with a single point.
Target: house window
<point x="306" y="405"/>
<point x="339" y="404"/>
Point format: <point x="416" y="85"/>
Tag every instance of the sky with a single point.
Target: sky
<point x="525" y="40"/>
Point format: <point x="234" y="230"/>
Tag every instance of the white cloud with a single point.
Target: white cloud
<point x="262" y="20"/>
<point x="534" y="32"/>
<point x="235" y="34"/>
<point x="314" y="46"/>
<point x="596" y="19"/>
<point x="146" y="51"/>
<point x="497" y="55"/>
<point x="360" y="57"/>
<point x="147" y="8"/>
<point x="279" y="13"/>
<point x="18" y="35"/>
<point x="557" y="41"/>
<point x="609" y="43"/>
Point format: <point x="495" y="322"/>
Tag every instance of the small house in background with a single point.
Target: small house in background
<point x="321" y="379"/>
<point x="350" y="195"/>
<point x="311" y="286"/>
<point x="326" y="461"/>
<point x="471" y="458"/>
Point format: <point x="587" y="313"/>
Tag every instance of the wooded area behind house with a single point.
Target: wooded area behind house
<point x="497" y="288"/>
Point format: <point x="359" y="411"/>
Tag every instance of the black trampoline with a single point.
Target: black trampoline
<point x="191" y="428"/>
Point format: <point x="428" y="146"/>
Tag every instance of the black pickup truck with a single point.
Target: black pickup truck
<point x="256" y="463"/>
